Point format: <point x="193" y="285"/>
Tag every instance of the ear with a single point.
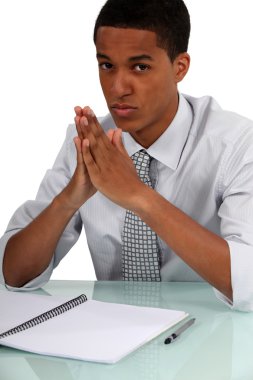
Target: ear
<point x="181" y="66"/>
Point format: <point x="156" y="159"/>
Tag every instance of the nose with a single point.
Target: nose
<point x="121" y="85"/>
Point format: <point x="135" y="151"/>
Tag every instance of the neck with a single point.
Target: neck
<point x="147" y="136"/>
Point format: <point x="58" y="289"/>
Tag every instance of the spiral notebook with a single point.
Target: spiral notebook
<point x="79" y="328"/>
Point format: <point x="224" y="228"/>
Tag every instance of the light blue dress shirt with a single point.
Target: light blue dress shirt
<point x="203" y="164"/>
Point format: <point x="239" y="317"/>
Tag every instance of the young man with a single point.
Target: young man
<point x="188" y="213"/>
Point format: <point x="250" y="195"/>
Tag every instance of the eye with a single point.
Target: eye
<point x="141" y="67"/>
<point x="105" y="66"/>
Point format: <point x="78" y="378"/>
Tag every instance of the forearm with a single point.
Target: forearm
<point x="29" y="252"/>
<point x="204" y="251"/>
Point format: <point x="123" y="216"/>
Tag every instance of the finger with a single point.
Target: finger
<point x="99" y="143"/>
<point x="81" y="121"/>
<point x="85" y="110"/>
<point x="78" y="111"/>
<point x="79" y="156"/>
<point x="78" y="127"/>
<point x="92" y="131"/>
<point x="88" y="159"/>
<point x="110" y="134"/>
<point x="118" y="142"/>
<point x="96" y="129"/>
<point x="83" y="126"/>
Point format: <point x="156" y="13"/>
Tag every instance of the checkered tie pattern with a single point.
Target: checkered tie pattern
<point x="140" y="251"/>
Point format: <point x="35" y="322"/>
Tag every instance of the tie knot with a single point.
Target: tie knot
<point x="141" y="160"/>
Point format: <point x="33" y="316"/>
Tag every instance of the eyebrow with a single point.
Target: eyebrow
<point x="136" y="58"/>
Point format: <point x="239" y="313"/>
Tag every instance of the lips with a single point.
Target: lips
<point x="123" y="109"/>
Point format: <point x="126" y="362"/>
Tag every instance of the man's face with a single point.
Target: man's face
<point x="138" y="80"/>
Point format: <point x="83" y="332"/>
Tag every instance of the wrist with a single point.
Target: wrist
<point x="63" y="203"/>
<point x="143" y="201"/>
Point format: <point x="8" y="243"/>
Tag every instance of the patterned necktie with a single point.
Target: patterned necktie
<point x="140" y="251"/>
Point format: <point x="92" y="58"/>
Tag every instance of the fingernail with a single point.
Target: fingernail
<point x="85" y="121"/>
<point x="90" y="112"/>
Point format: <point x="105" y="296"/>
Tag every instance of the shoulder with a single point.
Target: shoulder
<point x="213" y="122"/>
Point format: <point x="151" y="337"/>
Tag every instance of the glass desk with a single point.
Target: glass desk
<point x="219" y="346"/>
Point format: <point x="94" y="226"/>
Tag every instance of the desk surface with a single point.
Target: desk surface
<point x="218" y="346"/>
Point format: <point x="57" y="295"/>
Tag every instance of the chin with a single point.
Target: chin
<point x="126" y="124"/>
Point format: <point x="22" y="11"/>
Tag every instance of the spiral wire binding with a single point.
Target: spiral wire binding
<point x="46" y="316"/>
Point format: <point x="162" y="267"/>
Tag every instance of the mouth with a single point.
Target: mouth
<point x="122" y="109"/>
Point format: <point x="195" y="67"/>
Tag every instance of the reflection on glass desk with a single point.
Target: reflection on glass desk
<point x="219" y="346"/>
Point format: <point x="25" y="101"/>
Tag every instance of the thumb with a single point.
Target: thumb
<point x="110" y="134"/>
<point x="118" y="142"/>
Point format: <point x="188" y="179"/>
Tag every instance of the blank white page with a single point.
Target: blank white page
<point x="93" y="331"/>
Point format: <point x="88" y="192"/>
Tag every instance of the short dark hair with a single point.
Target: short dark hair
<point x="169" y="19"/>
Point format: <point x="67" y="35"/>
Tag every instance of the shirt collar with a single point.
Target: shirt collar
<point x="169" y="146"/>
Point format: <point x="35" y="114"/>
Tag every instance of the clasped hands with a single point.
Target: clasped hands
<point x="103" y="164"/>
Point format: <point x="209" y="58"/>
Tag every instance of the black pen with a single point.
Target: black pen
<point x="179" y="331"/>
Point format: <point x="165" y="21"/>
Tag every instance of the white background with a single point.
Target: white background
<point x="48" y="65"/>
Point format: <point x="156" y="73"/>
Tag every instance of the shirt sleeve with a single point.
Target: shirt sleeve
<point x="52" y="184"/>
<point x="236" y="213"/>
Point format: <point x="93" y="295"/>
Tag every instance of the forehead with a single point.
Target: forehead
<point x="125" y="40"/>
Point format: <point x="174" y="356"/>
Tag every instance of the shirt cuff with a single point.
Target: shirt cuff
<point x="241" y="256"/>
<point x="223" y="298"/>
